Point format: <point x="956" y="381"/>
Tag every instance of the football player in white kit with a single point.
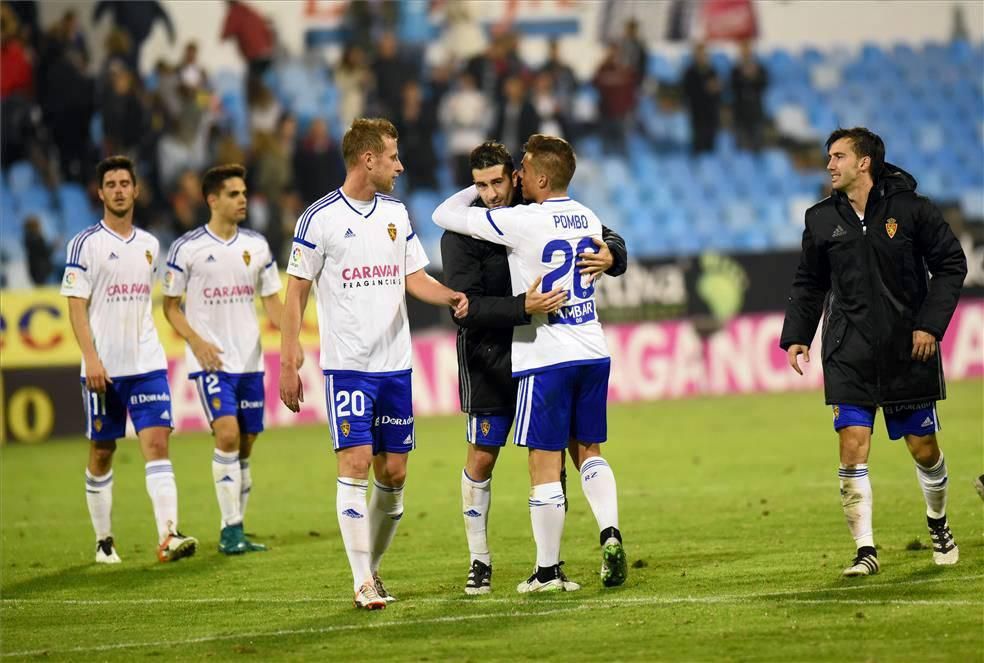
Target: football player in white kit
<point x="561" y="358"/>
<point x="220" y="268"/>
<point x="357" y="247"/>
<point x="109" y="272"/>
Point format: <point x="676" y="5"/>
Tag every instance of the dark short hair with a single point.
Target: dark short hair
<point x="865" y="143"/>
<point x="116" y="162"/>
<point x="366" y="134"/>
<point x="490" y="153"/>
<point x="214" y="178"/>
<point x="554" y="157"/>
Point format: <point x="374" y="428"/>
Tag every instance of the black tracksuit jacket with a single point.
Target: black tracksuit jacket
<point x="480" y="270"/>
<point x="871" y="280"/>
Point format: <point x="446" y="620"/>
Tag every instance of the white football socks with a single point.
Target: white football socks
<point x="163" y="495"/>
<point x="353" y="522"/>
<point x="547" y="516"/>
<point x="933" y="481"/>
<point x="476" y="498"/>
<point x="247" y="485"/>
<point x="227" y="475"/>
<point x="598" y="484"/>
<point x="855" y="490"/>
<point x="385" y="512"/>
<point x="99" y="498"/>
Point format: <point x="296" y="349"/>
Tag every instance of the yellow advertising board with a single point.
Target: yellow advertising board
<point x="35" y="330"/>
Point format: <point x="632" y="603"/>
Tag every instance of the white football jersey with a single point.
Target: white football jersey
<point x="542" y="240"/>
<point x="116" y="274"/>
<point x="220" y="280"/>
<point x="358" y="262"/>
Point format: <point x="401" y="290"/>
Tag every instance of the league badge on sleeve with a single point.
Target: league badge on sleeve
<point x="69" y="279"/>
<point x="295" y="257"/>
<point x="890" y="227"/>
<point x="168" y="278"/>
<point x="247" y="257"/>
<point x="391" y="229"/>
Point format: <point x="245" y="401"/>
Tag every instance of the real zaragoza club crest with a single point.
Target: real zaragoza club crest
<point x="890" y="227"/>
<point x="391" y="229"/>
<point x="486" y="427"/>
<point x="246" y="257"/>
<point x="346" y="428"/>
<point x="149" y="256"/>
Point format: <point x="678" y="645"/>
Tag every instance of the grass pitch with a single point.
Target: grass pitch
<point x="729" y="508"/>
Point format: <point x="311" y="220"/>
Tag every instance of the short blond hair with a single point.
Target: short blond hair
<point x="553" y="157"/>
<point x="366" y="133"/>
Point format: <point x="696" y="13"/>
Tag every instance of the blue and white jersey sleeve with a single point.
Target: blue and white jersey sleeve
<point x="499" y="225"/>
<point x="416" y="256"/>
<point x="177" y="269"/>
<point x="269" y="281"/>
<point x="77" y="281"/>
<point x="307" y="255"/>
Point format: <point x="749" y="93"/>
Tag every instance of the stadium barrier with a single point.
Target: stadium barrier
<point x="718" y="344"/>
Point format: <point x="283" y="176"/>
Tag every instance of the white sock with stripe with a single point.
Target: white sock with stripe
<point x="598" y="484"/>
<point x="227" y="475"/>
<point x="99" y="498"/>
<point x="933" y="481"/>
<point x="246" y="485"/>
<point x="856" y="499"/>
<point x="476" y="498"/>
<point x="385" y="512"/>
<point x="163" y="493"/>
<point x="547" y="516"/>
<point x="353" y="522"/>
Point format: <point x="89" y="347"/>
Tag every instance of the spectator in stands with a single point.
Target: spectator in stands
<point x="702" y="88"/>
<point x="66" y="95"/>
<point x="516" y="119"/>
<point x="16" y="71"/>
<point x="391" y="70"/>
<point x="124" y="116"/>
<point x="38" y="251"/>
<point x="353" y="80"/>
<point x="137" y="19"/>
<point x="264" y="109"/>
<point x="117" y="52"/>
<point x="254" y="36"/>
<point x="416" y="122"/>
<point x="632" y="51"/>
<point x="187" y="207"/>
<point x="318" y="165"/>
<point x="190" y="71"/>
<point x="499" y="61"/>
<point x="546" y="103"/>
<point x="184" y="144"/>
<point x="29" y="27"/>
<point x="749" y="81"/>
<point x="281" y="229"/>
<point x="616" y="85"/>
<point x="562" y="76"/>
<point x="464" y="117"/>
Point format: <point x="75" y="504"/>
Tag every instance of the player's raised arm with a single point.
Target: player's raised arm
<point x="493" y="225"/>
<point x="291" y="354"/>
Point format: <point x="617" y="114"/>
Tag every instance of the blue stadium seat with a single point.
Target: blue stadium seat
<point x="20" y="176"/>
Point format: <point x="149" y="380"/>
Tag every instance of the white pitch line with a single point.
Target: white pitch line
<point x="581" y="606"/>
<point x="302" y="631"/>
<point x="219" y="600"/>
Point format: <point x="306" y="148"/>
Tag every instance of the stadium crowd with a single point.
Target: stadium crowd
<point x="63" y="111"/>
